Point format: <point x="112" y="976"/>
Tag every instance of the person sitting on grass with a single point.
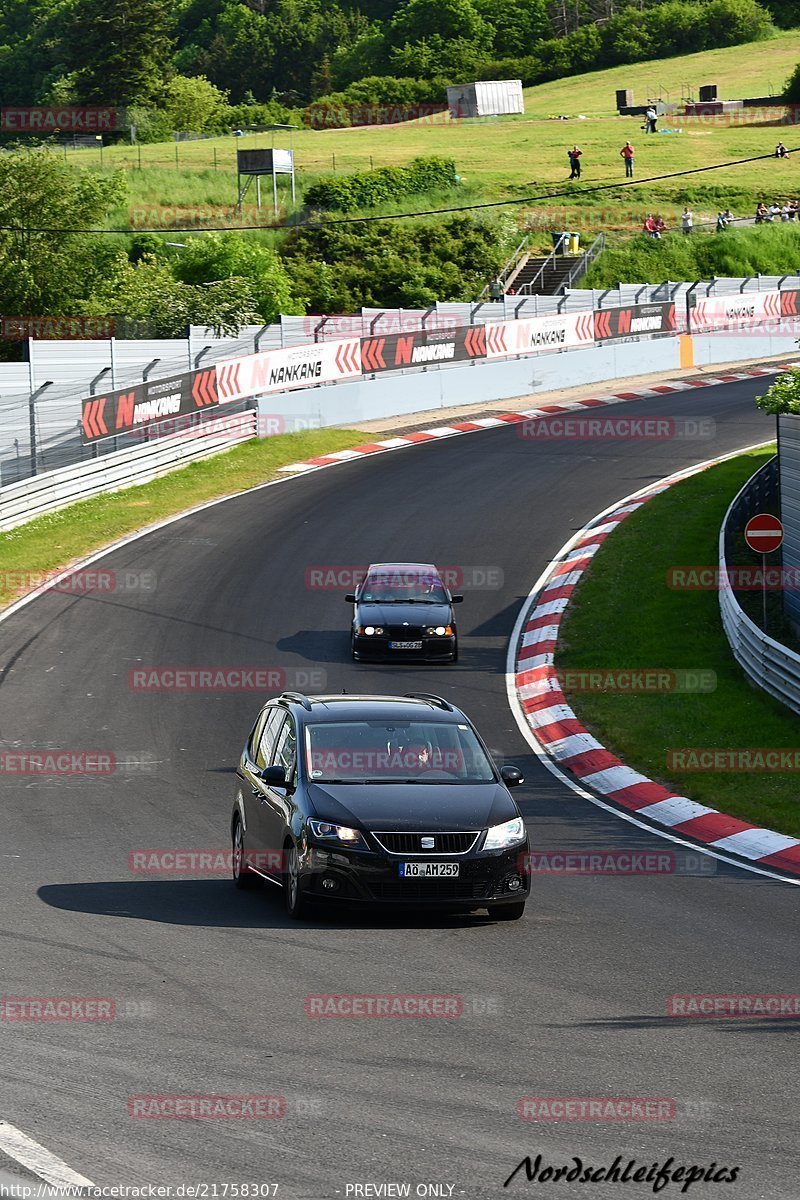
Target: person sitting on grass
<point x="762" y="214"/>
<point x="781" y="151"/>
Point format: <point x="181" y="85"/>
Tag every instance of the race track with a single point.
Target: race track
<point x="210" y="983"/>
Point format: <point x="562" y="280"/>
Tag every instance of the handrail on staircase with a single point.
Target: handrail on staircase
<point x="585" y="261"/>
<point x="526" y="288"/>
<point x="510" y="266"/>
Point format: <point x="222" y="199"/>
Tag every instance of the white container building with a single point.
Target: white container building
<point x="489" y="98"/>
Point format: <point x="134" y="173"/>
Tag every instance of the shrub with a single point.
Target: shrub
<point x="367" y="189"/>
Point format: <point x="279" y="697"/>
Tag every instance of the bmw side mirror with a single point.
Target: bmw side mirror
<point x="350" y="598"/>
<point x="456" y="599"/>
<point x="511" y="776"/>
<point x="274" y="776"/>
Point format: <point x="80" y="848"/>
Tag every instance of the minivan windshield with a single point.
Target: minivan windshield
<point x="395" y="752"/>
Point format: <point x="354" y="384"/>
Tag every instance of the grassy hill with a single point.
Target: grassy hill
<point x="510" y="158"/>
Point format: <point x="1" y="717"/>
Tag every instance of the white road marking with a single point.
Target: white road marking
<point x="30" y="1154"/>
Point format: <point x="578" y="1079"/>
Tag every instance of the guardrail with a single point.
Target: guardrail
<point x="21" y="502"/>
<point x="769" y="664"/>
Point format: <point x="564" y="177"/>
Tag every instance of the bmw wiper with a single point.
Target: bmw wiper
<point x="412" y="601"/>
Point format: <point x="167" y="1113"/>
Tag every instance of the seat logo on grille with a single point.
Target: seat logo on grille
<point x="428" y="843"/>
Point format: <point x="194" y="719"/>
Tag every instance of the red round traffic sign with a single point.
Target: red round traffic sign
<point x="763" y="533"/>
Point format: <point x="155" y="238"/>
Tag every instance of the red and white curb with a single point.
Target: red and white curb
<point x="515" y="418"/>
<point x="556" y="734"/>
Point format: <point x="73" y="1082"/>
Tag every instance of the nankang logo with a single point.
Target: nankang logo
<point x="741" y="310"/>
<point x="548" y="337"/>
<point x="296" y="373"/>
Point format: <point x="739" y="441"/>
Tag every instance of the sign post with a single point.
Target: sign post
<point x="763" y="534"/>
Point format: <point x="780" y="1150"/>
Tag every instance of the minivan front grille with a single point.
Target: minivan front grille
<point x="411" y="843"/>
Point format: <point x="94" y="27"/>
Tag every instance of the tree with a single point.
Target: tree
<point x="149" y="295"/>
<point x="419" y="20"/>
<point x="194" y="105"/>
<point x="517" y="24"/>
<point x="45" y="268"/>
<point x="120" y="50"/>
<point x="214" y="257"/>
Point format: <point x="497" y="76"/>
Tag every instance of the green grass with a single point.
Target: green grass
<point x="623" y="615"/>
<point x="52" y="542"/>
<point x="505" y="158"/>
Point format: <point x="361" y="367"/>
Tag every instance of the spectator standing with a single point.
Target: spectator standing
<point x="774" y="210"/>
<point x="687" y="220"/>
<point x="571" y="164"/>
<point x="575" y="158"/>
<point x="650" y="120"/>
<point x="495" y="288"/>
<point x="627" y="154"/>
<point x="721" y="222"/>
<point x="650" y="227"/>
<point x="786" y="211"/>
<point x="661" y="227"/>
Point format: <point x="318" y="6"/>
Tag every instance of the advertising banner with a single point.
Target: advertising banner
<point x="736" y="311"/>
<point x="146" y="404"/>
<point x="422" y="347"/>
<point x="537" y="335"/>
<point x="634" y="320"/>
<point x="281" y="370"/>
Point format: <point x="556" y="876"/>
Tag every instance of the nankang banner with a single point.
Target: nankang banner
<point x="146" y="404"/>
<point x="634" y="320"/>
<point x="421" y="348"/>
<point x="736" y="311"/>
<point x="536" y="335"/>
<point x="281" y="370"/>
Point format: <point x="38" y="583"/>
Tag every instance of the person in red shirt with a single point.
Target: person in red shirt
<point x="575" y="158"/>
<point x="650" y="227"/>
<point x="627" y="153"/>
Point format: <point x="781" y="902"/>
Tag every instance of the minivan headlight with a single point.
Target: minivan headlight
<point x="507" y="834"/>
<point x="326" y="831"/>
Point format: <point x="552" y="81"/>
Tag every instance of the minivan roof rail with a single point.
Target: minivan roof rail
<point x="439" y="701"/>
<point x="298" y="697"/>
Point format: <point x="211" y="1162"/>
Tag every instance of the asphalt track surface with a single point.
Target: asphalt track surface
<point x="210" y="983"/>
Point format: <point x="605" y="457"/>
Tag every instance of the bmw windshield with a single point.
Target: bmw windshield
<point x="395" y="752"/>
<point x="402" y="587"/>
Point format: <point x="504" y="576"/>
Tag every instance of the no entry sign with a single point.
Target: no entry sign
<point x="763" y="533"/>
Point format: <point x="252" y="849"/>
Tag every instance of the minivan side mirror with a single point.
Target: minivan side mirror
<point x="274" y="776"/>
<point x="456" y="599"/>
<point x="511" y="776"/>
<point x="350" y="597"/>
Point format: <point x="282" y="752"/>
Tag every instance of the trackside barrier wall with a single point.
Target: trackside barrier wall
<point x="21" y="502"/>
<point x="770" y="665"/>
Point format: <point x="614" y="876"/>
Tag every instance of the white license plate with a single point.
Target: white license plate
<point x="429" y="870"/>
<point x="405" y="645"/>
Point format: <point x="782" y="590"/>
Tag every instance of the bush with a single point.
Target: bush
<point x="346" y="193"/>
<point x="383" y="264"/>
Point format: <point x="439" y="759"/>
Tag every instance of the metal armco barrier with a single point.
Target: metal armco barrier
<point x="21" y="502"/>
<point x="770" y="665"/>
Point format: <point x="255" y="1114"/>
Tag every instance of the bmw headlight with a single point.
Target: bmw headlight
<point x="507" y="834"/>
<point x="326" y="831"/>
<point x="370" y="630"/>
<point x="439" y="630"/>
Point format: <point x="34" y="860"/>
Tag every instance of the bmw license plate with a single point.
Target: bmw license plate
<point x="405" y="645"/>
<point x="429" y="870"/>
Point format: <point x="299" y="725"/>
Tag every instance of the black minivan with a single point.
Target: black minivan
<point x="382" y="799"/>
